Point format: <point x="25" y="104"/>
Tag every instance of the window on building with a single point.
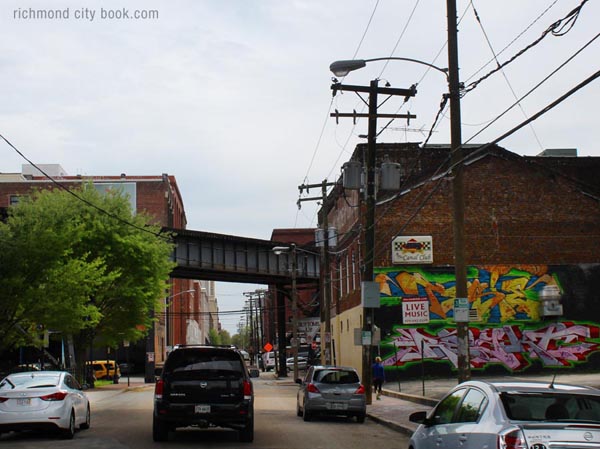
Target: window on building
<point x="341" y="276"/>
<point x="14" y="199"/>
<point x="353" y="271"/>
<point x="347" y="273"/>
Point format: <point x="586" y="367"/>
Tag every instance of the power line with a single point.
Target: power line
<point x="557" y="29"/>
<point x="487" y="39"/>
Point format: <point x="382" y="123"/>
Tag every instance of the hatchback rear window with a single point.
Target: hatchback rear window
<point x="336" y="377"/>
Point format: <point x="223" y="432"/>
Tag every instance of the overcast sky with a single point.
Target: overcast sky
<point x="232" y="97"/>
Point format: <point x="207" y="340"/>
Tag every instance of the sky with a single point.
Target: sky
<point x="233" y="97"/>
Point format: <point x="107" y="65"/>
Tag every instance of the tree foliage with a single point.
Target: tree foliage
<point x="88" y="271"/>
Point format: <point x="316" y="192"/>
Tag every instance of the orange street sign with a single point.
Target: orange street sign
<point x="268" y="347"/>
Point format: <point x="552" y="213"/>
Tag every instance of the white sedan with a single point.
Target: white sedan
<point x="51" y="400"/>
<point x="302" y="363"/>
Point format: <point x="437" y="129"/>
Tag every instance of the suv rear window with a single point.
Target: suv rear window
<point x="205" y="364"/>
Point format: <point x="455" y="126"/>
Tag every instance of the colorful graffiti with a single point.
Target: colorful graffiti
<point x="498" y="293"/>
<point x="559" y="344"/>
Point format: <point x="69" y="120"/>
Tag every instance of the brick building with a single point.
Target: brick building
<point x="532" y="226"/>
<point x="188" y="303"/>
<point x="277" y="305"/>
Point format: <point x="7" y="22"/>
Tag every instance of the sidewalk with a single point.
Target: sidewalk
<point x="400" y="400"/>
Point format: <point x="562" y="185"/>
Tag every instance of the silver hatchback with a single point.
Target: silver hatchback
<point x="331" y="390"/>
<point x="511" y="415"/>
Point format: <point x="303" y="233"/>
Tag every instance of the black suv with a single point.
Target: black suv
<point x="204" y="386"/>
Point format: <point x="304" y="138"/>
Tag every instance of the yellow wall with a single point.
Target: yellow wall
<point x="342" y="329"/>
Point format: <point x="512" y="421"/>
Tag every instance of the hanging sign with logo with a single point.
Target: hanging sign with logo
<point x="412" y="249"/>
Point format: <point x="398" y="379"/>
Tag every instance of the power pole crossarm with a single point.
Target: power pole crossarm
<point x="410" y="92"/>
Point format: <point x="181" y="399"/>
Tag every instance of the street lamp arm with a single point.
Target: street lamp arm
<point x="342" y="68"/>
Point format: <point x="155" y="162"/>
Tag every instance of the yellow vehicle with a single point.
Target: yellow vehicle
<point x="105" y="369"/>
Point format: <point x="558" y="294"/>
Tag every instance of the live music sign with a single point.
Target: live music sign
<point x="415" y="310"/>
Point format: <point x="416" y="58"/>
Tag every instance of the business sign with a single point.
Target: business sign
<point x="415" y="310"/>
<point x="412" y="249"/>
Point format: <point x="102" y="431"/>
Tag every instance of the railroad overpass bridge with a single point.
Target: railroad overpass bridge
<point x="230" y="258"/>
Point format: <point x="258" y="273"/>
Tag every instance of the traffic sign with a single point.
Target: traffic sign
<point x="268" y="347"/>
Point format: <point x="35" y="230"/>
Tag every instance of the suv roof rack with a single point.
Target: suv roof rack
<point x="208" y="345"/>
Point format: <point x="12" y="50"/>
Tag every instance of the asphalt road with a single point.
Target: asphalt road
<point x="123" y="420"/>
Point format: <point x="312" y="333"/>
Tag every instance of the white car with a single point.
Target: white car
<point x="511" y="415"/>
<point x="51" y="400"/>
<point x="302" y="363"/>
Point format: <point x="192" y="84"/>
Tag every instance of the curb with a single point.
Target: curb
<point x="392" y="425"/>
<point x="411" y="397"/>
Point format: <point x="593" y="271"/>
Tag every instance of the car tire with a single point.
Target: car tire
<point x="88" y="419"/>
<point x="69" y="432"/>
<point x="306" y="415"/>
<point x="160" y="431"/>
<point x="360" y="418"/>
<point x="246" y="434"/>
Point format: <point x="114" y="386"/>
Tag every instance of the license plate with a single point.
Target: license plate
<point x="24" y="401"/>
<point x="202" y="409"/>
<point x="339" y="406"/>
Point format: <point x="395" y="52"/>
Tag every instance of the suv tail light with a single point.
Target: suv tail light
<point x="360" y="389"/>
<point x="512" y="439"/>
<point x="247" y="390"/>
<point x="58" y="396"/>
<point x="158" y="389"/>
<point x="312" y="388"/>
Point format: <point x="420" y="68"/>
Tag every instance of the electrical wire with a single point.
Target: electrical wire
<point x="537" y="86"/>
<point x="557" y="29"/>
<point x="505" y="76"/>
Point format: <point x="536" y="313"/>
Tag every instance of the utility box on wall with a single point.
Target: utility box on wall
<point x="550" y="301"/>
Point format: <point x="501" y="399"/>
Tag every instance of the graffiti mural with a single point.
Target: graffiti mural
<point x="506" y="328"/>
<point x="497" y="293"/>
<point x="559" y="344"/>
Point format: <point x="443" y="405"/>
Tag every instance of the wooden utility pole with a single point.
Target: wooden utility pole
<point x="325" y="298"/>
<point x="369" y="229"/>
<point x="462" y="327"/>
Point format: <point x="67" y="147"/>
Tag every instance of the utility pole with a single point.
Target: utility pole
<point x="368" y="315"/>
<point x="325" y="284"/>
<point x="462" y="327"/>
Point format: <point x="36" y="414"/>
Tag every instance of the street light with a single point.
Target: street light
<point x="291" y="250"/>
<point x="342" y="68"/>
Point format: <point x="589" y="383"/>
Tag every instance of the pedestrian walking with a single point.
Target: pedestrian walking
<point x="378" y="376"/>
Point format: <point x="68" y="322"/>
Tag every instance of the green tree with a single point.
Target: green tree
<point x="214" y="337"/>
<point x="81" y="263"/>
<point x="225" y="337"/>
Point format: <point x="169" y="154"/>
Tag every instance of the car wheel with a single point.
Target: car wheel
<point x="88" y="419"/>
<point x="306" y="415"/>
<point x="160" y="431"/>
<point x="360" y="418"/>
<point x="247" y="433"/>
<point x="69" y="432"/>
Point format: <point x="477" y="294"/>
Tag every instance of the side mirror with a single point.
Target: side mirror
<point x="418" y="417"/>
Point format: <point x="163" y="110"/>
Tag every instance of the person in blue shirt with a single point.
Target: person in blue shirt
<point x="378" y="376"/>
